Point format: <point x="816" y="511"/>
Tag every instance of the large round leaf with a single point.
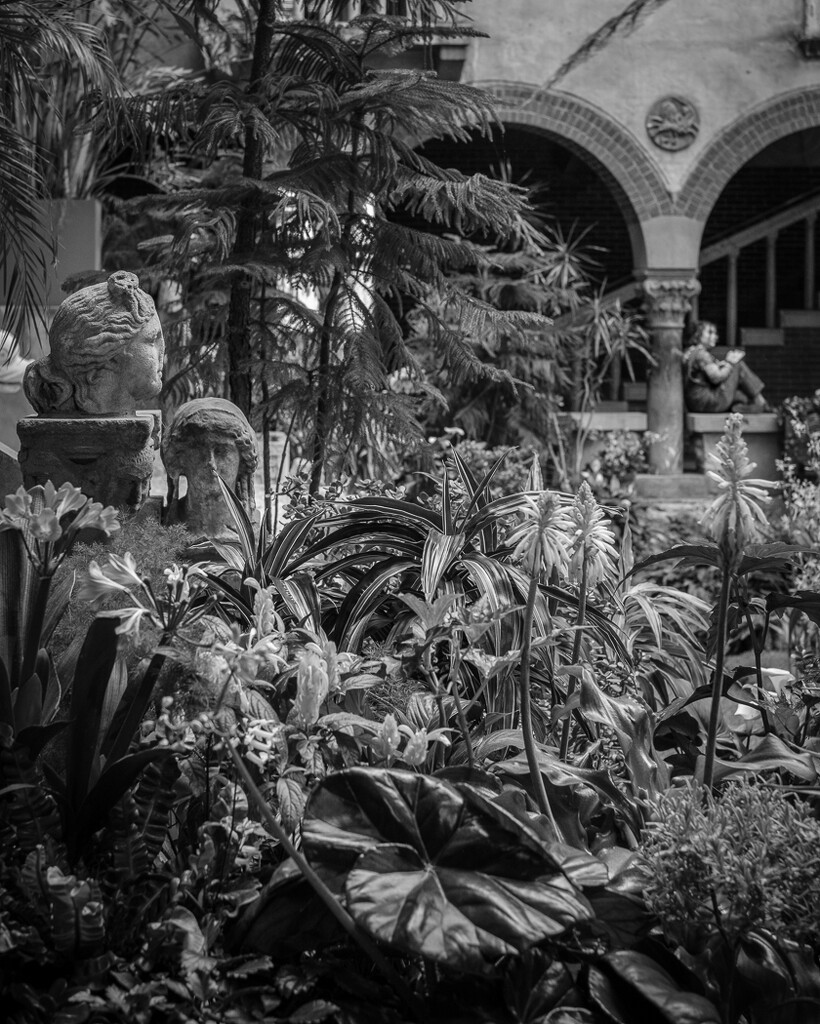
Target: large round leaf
<point x="459" y="825"/>
<point x="450" y="872"/>
<point x="464" y="919"/>
<point x="628" y="986"/>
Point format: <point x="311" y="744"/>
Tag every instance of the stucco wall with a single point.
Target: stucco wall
<point x="726" y="56"/>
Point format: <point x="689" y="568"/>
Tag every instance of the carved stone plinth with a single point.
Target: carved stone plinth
<point x="111" y="459"/>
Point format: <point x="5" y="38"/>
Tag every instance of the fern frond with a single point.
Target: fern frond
<point x="477" y="203"/>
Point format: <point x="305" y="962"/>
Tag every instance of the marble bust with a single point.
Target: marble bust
<point x="207" y="439"/>
<point x="106" y="352"/>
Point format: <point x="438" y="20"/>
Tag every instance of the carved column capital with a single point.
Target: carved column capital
<point x="667" y="300"/>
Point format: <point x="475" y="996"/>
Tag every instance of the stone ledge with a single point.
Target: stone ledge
<point x="800" y="317"/>
<point x="762" y="337"/>
<point x="609" y="420"/>
<point x="715" y="422"/>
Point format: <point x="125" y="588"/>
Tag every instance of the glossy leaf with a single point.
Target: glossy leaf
<point x="109" y="788"/>
<point x="290" y="796"/>
<point x="772" y="557"/>
<point x="629" y="987"/>
<point x="439" y="551"/>
<point x="452" y="872"/>
<point x="464" y="919"/>
<point x="686" y="554"/>
<point x="241" y="520"/>
<point x="281" y="554"/>
<point x="534" y="985"/>
<point x="772" y="754"/>
<point x="632" y="724"/>
<point x="91" y="676"/>
<point x="286" y="917"/>
<point x="6" y="704"/>
<point x="28" y="704"/>
<point x="804" y="601"/>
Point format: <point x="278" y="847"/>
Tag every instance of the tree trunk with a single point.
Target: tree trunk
<point x="323" y="412"/>
<point x="240" y="352"/>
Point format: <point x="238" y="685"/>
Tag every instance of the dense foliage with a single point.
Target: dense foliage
<point x="234" y="829"/>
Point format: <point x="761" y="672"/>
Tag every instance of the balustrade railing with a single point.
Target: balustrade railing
<point x="805" y="210"/>
<point x="729" y="248"/>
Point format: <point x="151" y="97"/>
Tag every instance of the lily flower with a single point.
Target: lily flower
<point x="49" y="519"/>
<point x="100" y="584"/>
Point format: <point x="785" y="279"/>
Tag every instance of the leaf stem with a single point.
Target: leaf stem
<point x="757" y="648"/>
<point x="136" y="708"/>
<point x="462" y="718"/>
<point x="717" y="682"/>
<point x="576" y="654"/>
<point x="334" y="907"/>
<point x="34" y="630"/>
<point x="526" y="699"/>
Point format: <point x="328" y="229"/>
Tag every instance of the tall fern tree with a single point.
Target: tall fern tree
<point x="306" y="161"/>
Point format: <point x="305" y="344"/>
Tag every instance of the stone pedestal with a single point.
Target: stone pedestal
<point x="110" y="459"/>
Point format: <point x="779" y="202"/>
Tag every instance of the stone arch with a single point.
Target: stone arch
<point x="739" y="142"/>
<point x="633" y="178"/>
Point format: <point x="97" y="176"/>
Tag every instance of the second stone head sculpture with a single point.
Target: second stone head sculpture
<point x="106" y="352"/>
<point x="209" y="438"/>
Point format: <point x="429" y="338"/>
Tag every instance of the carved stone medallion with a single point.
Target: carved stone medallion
<point x="672" y="123"/>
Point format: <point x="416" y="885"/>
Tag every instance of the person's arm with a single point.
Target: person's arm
<point x="714" y="370"/>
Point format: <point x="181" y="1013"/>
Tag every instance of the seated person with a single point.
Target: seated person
<point x="719" y="385"/>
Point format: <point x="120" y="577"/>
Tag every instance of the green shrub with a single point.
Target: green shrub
<point x="154" y="547"/>
<point x="748" y="859"/>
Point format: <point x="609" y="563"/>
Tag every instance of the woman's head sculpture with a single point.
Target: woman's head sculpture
<point x="106" y="352"/>
<point x="209" y="438"/>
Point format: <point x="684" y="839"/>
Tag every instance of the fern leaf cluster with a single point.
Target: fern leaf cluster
<point x="305" y="221"/>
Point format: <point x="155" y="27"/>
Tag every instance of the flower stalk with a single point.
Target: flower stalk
<point x="525" y="701"/>
<point x="717" y="681"/>
<point x="734" y="520"/>
<point x="334" y="907"/>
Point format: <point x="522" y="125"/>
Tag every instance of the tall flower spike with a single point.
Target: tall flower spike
<point x="594" y="541"/>
<point x="548" y="522"/>
<point x="736" y="514"/>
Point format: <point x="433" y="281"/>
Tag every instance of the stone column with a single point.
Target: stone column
<point x="667" y="299"/>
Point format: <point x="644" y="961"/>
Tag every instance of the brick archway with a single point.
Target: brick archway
<point x="633" y="178"/>
<point x="739" y="142"/>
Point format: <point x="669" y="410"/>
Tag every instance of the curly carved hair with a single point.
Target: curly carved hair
<point x="89" y="328"/>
